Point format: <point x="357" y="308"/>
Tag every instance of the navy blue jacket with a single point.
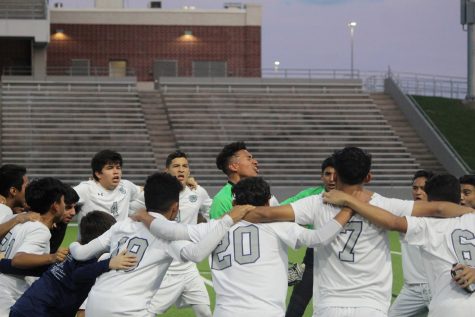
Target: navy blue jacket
<point x="60" y="291"/>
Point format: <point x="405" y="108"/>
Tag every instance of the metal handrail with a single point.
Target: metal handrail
<point x="69" y="71"/>
<point x="373" y="81"/>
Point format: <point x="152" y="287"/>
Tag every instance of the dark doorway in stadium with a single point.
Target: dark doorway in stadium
<point x="15" y="56"/>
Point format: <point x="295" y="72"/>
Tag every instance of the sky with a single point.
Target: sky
<point x="415" y="36"/>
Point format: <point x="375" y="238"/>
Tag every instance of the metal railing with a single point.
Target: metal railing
<point x="71" y="71"/>
<point x="425" y="127"/>
<point x="373" y="81"/>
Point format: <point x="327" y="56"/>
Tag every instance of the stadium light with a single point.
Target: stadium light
<point x="276" y="65"/>
<point x="352" y="26"/>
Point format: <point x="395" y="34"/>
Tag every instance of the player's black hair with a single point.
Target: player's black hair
<point x="173" y="156"/>
<point x="44" y="192"/>
<point x="161" y="190"/>
<point x="467" y="179"/>
<point x="11" y="175"/>
<point x="327" y="162"/>
<point x="422" y="173"/>
<point x="71" y="196"/>
<point x="93" y="224"/>
<point x="443" y="187"/>
<point x="222" y="160"/>
<point x="251" y="190"/>
<point x="352" y="165"/>
<point x="102" y="159"/>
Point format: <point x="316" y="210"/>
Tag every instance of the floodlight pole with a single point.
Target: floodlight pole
<point x="352" y="26"/>
<point x="470" y="63"/>
<point x="467" y="17"/>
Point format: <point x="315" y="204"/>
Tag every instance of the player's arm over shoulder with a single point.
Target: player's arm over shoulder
<point x="33" y="249"/>
<point x="441" y="209"/>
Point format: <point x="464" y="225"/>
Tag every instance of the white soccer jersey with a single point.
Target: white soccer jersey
<point x="92" y="196"/>
<point x="29" y="237"/>
<point x="5" y="213"/>
<point x="414" y="272"/>
<point x="249" y="266"/>
<point x="355" y="269"/>
<point x="192" y="202"/>
<point x="126" y="293"/>
<point x="443" y="243"/>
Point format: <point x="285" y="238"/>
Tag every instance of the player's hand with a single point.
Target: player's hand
<point x="3" y="200"/>
<point x="122" y="261"/>
<point x="238" y="212"/>
<point x="191" y="182"/>
<point x="27" y="216"/>
<point x="2" y="255"/>
<point x="336" y="197"/>
<point x="19" y="210"/>
<point x="61" y="255"/>
<point x="464" y="276"/>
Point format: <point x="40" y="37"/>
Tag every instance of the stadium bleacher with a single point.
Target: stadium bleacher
<point x="289" y="125"/>
<point x="54" y="128"/>
<point x="23" y="9"/>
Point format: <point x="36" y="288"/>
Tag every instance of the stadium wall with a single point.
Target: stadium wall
<point x="140" y="37"/>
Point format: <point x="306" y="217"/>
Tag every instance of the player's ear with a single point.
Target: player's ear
<point x="368" y="178"/>
<point x="13" y="191"/>
<point x="232" y="167"/>
<point x="175" y="206"/>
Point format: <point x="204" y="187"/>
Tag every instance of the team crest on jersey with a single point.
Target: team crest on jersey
<point x="193" y="198"/>
<point x="122" y="190"/>
<point x="115" y="209"/>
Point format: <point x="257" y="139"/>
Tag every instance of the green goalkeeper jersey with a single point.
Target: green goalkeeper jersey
<point x="304" y="193"/>
<point x="222" y="202"/>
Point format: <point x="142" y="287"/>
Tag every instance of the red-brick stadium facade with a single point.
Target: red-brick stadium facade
<point x="141" y="45"/>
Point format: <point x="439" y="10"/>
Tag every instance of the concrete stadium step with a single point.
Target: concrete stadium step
<point x="161" y="135"/>
<point x="407" y="134"/>
<point x="56" y="131"/>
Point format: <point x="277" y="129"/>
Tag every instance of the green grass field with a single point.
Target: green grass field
<point x="447" y="114"/>
<point x="294" y="256"/>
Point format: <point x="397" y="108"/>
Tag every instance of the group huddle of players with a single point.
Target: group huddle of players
<point x="136" y="246"/>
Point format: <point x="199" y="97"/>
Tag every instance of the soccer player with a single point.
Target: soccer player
<point x="353" y="274"/>
<point x="62" y="289"/>
<point x="249" y="267"/>
<point x="13" y="181"/>
<point x="182" y="284"/>
<point x="107" y="191"/>
<point x="59" y="229"/>
<point x="443" y="242"/>
<point x="418" y="184"/>
<point x="414" y="297"/>
<point x="120" y="293"/>
<point x="467" y="188"/>
<point x="27" y="244"/>
<point x="302" y="292"/>
<point x="237" y="163"/>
